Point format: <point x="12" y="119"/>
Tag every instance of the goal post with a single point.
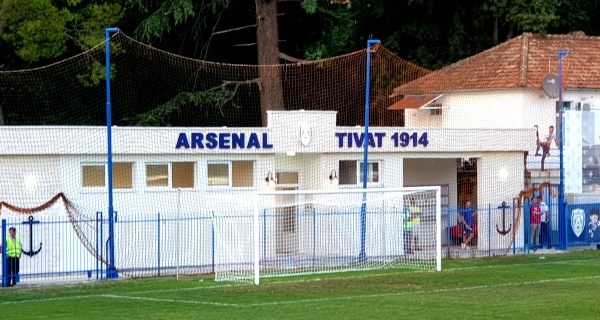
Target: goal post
<point x="303" y="232"/>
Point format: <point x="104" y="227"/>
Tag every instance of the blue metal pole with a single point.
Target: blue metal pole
<point x="561" y="188"/>
<point x="490" y="229"/>
<point x="111" y="270"/>
<point x="314" y="235"/>
<point x="158" y="243"/>
<point x="213" y="242"/>
<point x="265" y="235"/>
<point x="4" y="264"/>
<point x="363" y="211"/>
<point x="448" y="235"/>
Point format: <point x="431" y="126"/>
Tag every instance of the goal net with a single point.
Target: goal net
<point x="292" y="232"/>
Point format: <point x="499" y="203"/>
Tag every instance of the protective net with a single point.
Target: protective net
<point x="193" y="141"/>
<point x="310" y="232"/>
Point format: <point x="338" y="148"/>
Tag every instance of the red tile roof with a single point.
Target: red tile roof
<point x="414" y="102"/>
<point x="521" y="62"/>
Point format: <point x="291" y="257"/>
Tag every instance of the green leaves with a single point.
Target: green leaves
<point x="36" y="28"/>
<point x="169" y="14"/>
<point x="162" y="114"/>
<point x="310" y="6"/>
<point x="39" y="29"/>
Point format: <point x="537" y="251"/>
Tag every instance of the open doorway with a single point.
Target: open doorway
<point x="466" y="187"/>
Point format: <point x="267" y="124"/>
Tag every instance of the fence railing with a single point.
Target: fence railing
<point x="55" y="250"/>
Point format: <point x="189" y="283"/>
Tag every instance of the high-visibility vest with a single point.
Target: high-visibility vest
<point x="13" y="247"/>
<point x="412" y="216"/>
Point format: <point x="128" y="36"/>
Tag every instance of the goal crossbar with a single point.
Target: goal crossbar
<point x="300" y="232"/>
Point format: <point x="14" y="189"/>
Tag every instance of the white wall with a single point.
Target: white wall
<point x="28" y="181"/>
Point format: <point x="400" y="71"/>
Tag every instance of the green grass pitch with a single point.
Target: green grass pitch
<point x="559" y="286"/>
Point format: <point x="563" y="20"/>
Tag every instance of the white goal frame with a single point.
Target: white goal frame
<point x="408" y="190"/>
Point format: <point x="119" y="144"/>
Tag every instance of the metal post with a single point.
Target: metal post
<point x="561" y="191"/>
<point x="111" y="270"/>
<point x="490" y="229"/>
<point x="178" y="230"/>
<point x="158" y="243"/>
<point x="363" y="211"/>
<point x="4" y="264"/>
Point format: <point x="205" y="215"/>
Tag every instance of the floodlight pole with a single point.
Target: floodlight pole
<point x="561" y="187"/>
<point x="111" y="271"/>
<point x="363" y="210"/>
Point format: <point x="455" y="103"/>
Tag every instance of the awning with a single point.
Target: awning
<point x="414" y="102"/>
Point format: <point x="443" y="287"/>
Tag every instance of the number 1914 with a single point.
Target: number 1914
<point x="403" y="139"/>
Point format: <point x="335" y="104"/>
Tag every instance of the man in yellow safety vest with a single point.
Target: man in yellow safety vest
<point x="13" y="254"/>
<point x="411" y="226"/>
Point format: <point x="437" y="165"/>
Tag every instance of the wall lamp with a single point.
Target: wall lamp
<point x="270" y="180"/>
<point x="333" y="178"/>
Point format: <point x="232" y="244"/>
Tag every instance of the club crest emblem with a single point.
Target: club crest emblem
<point x="305" y="134"/>
<point x="577" y="221"/>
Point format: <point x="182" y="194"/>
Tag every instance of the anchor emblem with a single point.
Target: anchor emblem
<point x="503" y="231"/>
<point x="31" y="253"/>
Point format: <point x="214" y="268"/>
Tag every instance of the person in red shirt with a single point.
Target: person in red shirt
<point x="535" y="218"/>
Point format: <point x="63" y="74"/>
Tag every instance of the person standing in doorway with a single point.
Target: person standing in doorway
<point x="535" y="214"/>
<point x="467" y="215"/>
<point x="13" y="254"/>
<point x="545" y="238"/>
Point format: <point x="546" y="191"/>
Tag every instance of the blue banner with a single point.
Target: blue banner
<point x="583" y="223"/>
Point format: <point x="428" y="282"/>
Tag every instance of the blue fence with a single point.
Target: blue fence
<point x="57" y="249"/>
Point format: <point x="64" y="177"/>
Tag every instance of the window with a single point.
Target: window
<point x="94" y="175"/>
<point x="236" y="174"/>
<point x="123" y="175"/>
<point x="182" y="175"/>
<point x="351" y="172"/>
<point x="435" y="109"/>
<point x="157" y="175"/>
<point x="218" y="174"/>
<point x="287" y="178"/>
<point x="566" y="106"/>
<point x="348" y="172"/>
<point x="372" y="172"/>
<point x="242" y="173"/>
<point x="175" y="175"/>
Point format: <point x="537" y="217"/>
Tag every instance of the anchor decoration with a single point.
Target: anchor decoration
<point x="31" y="252"/>
<point x="503" y="231"/>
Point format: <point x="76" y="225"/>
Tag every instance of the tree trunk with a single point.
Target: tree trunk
<point x="267" y="39"/>
<point x="2" y="9"/>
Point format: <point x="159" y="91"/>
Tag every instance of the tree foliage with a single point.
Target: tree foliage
<point x="45" y="29"/>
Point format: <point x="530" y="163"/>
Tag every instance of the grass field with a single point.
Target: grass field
<point x="560" y="286"/>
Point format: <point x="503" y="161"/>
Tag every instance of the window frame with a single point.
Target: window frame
<point x="155" y="188"/>
<point x="169" y="186"/>
<point x="230" y="173"/>
<point x="359" y="166"/>
<point x="105" y="173"/>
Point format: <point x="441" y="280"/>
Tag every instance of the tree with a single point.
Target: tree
<point x="170" y="14"/>
<point x="44" y="29"/>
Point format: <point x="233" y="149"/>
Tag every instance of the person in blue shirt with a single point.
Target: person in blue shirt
<point x="466" y="217"/>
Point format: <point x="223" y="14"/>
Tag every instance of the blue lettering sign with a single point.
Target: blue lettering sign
<point x="182" y="141"/>
<point x="197" y="140"/>
<point x="340" y="138"/>
<point x="211" y="140"/>
<point x="238" y="140"/>
<point x="253" y="142"/>
<point x="224" y="140"/>
<point x="265" y="142"/>
<point x="375" y="139"/>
